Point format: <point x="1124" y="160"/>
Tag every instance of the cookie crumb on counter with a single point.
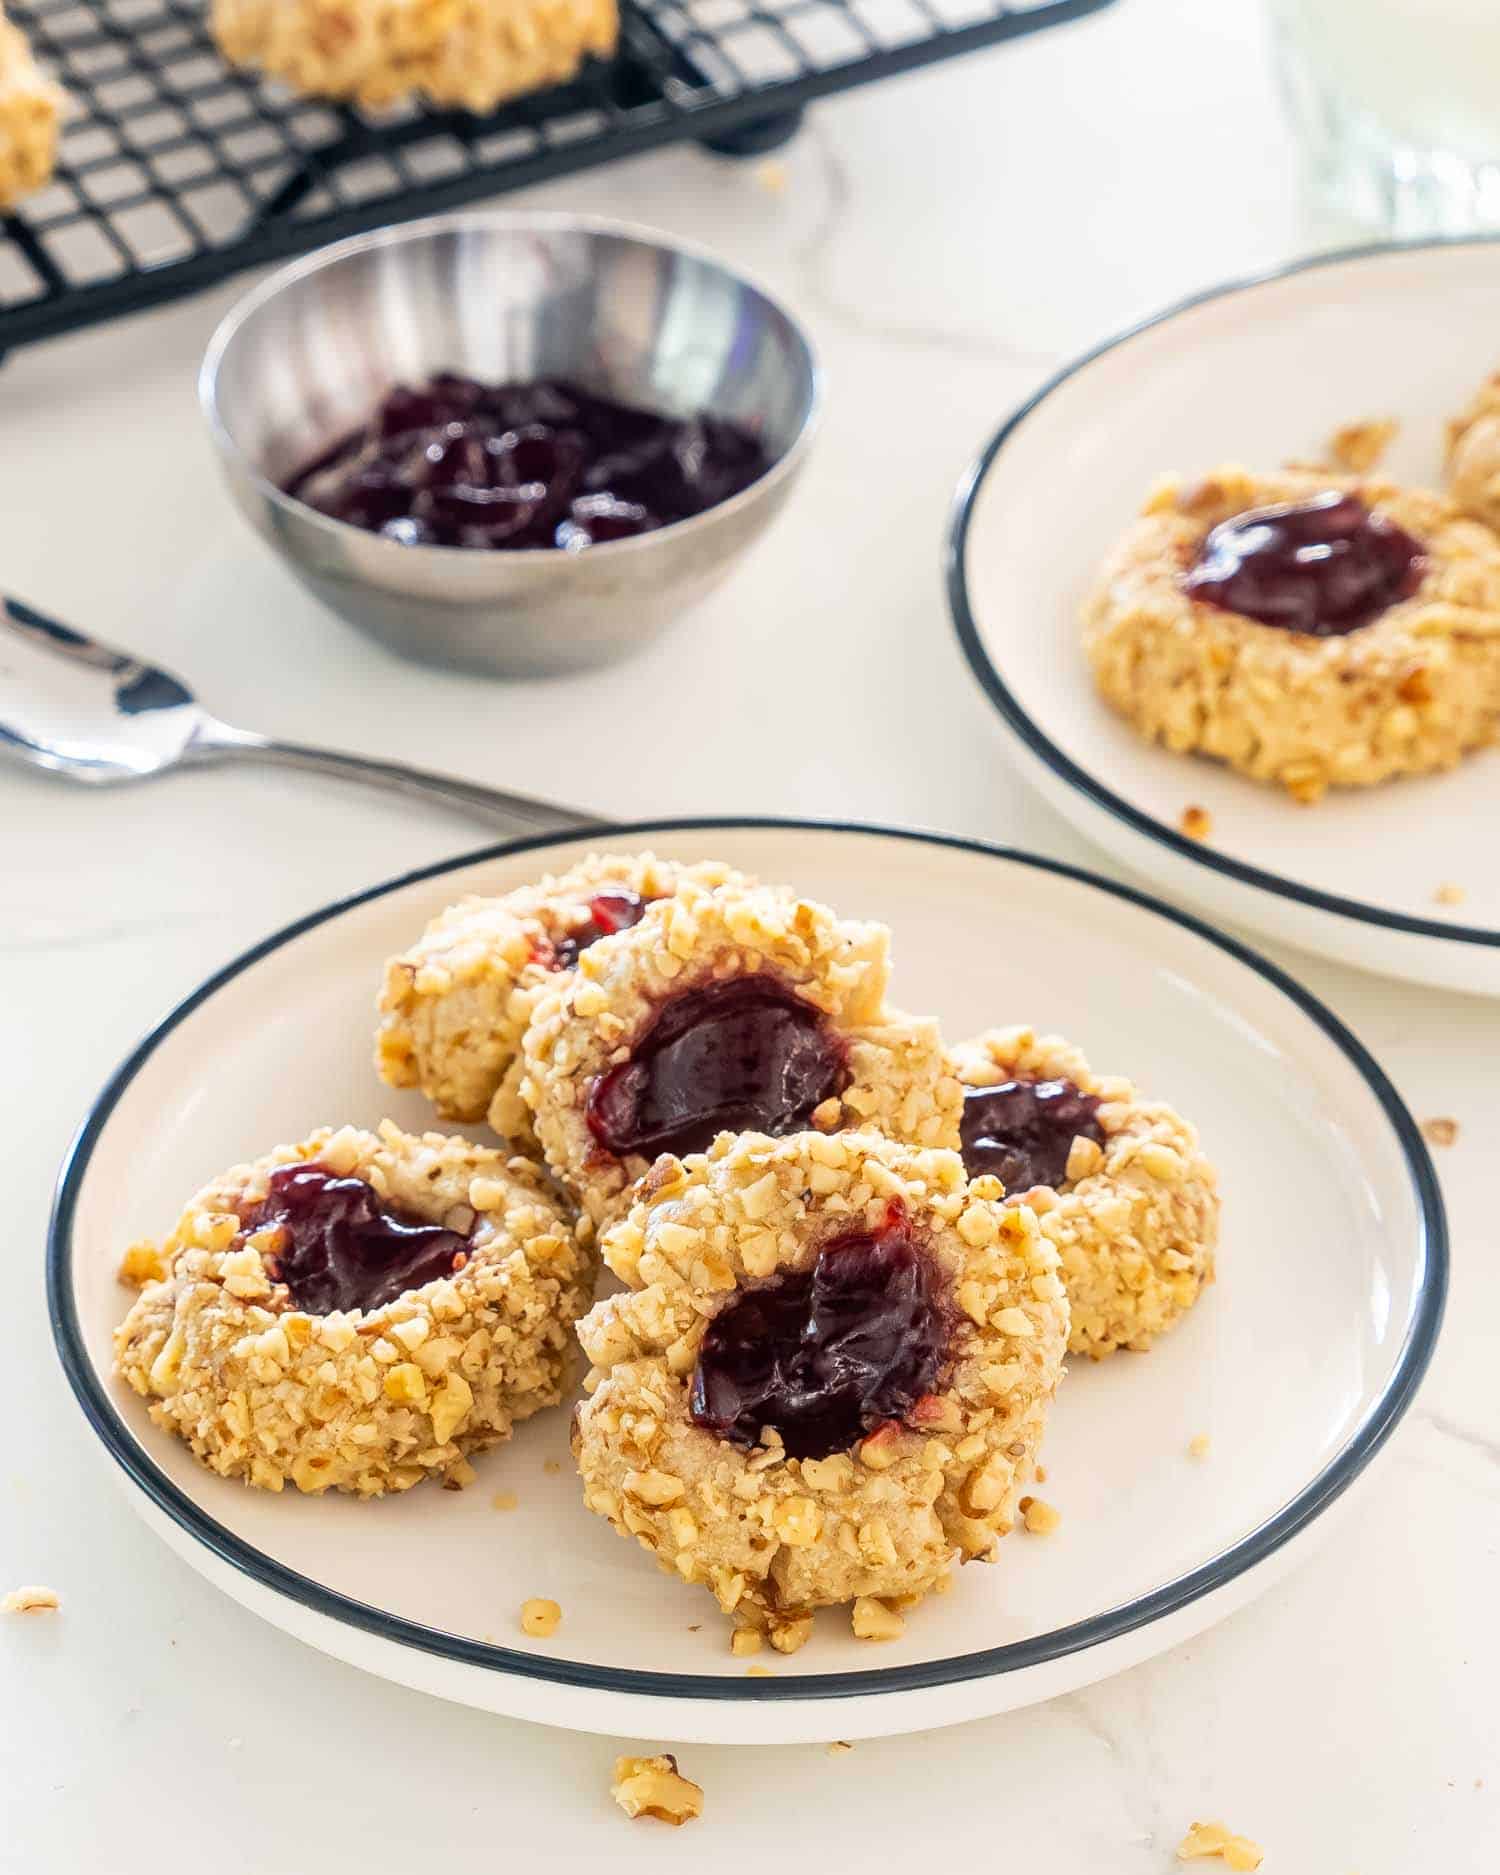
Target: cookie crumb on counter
<point x="1198" y="1445"/>
<point x="1449" y="894"/>
<point x="31" y="1599"/>
<point x="839" y="1748"/>
<point x="1440" y="1132"/>
<point x="539" y="1617"/>
<point x="504" y="1500"/>
<point x="1359" y="447"/>
<point x="141" y="1264"/>
<point x="1196" y="822"/>
<point x="1204" y="1840"/>
<point x="1040" y="1518"/>
<point x="655" y="1787"/>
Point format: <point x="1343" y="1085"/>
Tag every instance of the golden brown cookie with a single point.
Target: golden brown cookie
<point x="1412" y="689"/>
<point x="828" y="1377"/>
<point x="745" y="1008"/>
<point x="1118" y="1182"/>
<point x="358" y="1311"/>
<point x="31" y="108"/>
<point x="470" y="53"/>
<point x="455" y="1006"/>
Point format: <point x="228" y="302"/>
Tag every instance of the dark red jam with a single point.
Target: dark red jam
<point x="1023" y="1131"/>
<point x="456" y="463"/>
<point x="1323" y="567"/>
<point x="742" y="1056"/>
<point x="346" y="1247"/>
<point x="612" y="908"/>
<point x="827" y="1354"/>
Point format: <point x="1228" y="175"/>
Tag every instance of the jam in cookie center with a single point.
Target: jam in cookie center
<point x="612" y="908"/>
<point x="343" y="1246"/>
<point x="825" y="1355"/>
<point x="1023" y="1131"/>
<point x="1322" y="567"/>
<point x="746" y="1055"/>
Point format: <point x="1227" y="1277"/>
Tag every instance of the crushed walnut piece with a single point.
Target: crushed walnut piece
<point x="1198" y="1445"/>
<point x="31" y="1599"/>
<point x="655" y="1787"/>
<point x="504" y="1500"/>
<point x="1449" y="894"/>
<point x="839" y="1748"/>
<point x="873" y="1621"/>
<point x="1360" y="447"/>
<point x="1440" y="1132"/>
<point x="1040" y="1519"/>
<point x="142" y="1263"/>
<point x="1205" y="1840"/>
<point x="1196" y="822"/>
<point x="540" y="1617"/>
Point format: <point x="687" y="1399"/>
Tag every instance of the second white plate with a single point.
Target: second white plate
<point x="1255" y="373"/>
<point x="1296" y="1363"/>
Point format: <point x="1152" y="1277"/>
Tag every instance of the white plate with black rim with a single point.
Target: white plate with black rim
<point x="1297" y="1364"/>
<point x="1258" y="372"/>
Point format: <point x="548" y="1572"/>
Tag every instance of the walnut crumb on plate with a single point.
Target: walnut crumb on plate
<point x="1205" y="1840"/>
<point x="1440" y="1131"/>
<point x="839" y="1748"/>
<point x="1198" y="1445"/>
<point x="504" y="1500"/>
<point x="1040" y="1518"/>
<point x="1359" y="447"/>
<point x="1196" y="822"/>
<point x="539" y="1617"/>
<point x="1449" y="894"/>
<point x="31" y="1600"/>
<point x="655" y="1787"/>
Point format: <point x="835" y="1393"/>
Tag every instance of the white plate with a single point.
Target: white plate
<point x="1296" y="1364"/>
<point x="1254" y="373"/>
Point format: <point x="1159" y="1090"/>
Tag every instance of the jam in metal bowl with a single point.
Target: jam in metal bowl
<point x="456" y="463"/>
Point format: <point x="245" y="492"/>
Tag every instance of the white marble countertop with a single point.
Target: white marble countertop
<point x="949" y="238"/>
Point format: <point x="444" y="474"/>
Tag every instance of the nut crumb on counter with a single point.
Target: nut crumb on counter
<point x="1450" y="894"/>
<point x="1440" y="1131"/>
<point x="31" y="1599"/>
<point x="1198" y="1445"/>
<point x="655" y="1787"/>
<point x="1039" y="1518"/>
<point x="1204" y="1840"/>
<point x="1196" y="822"/>
<point x="540" y="1617"/>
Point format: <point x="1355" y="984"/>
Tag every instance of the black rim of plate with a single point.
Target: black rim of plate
<point x="105" y="1417"/>
<point x="1032" y="734"/>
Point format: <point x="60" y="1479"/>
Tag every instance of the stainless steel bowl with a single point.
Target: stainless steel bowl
<point x="305" y="357"/>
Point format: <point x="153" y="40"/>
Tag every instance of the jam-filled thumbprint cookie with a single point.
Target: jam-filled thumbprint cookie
<point x="358" y="1312"/>
<point x="455" y="1006"/>
<point x="1121" y="1188"/>
<point x="1308" y="630"/>
<point x="744" y="1009"/>
<point x="827" y="1378"/>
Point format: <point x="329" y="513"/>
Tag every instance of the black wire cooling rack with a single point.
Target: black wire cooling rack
<point x="176" y="171"/>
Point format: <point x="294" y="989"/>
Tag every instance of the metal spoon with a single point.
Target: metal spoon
<point x="80" y="708"/>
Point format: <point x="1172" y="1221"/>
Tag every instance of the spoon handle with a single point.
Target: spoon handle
<point x="519" y="812"/>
